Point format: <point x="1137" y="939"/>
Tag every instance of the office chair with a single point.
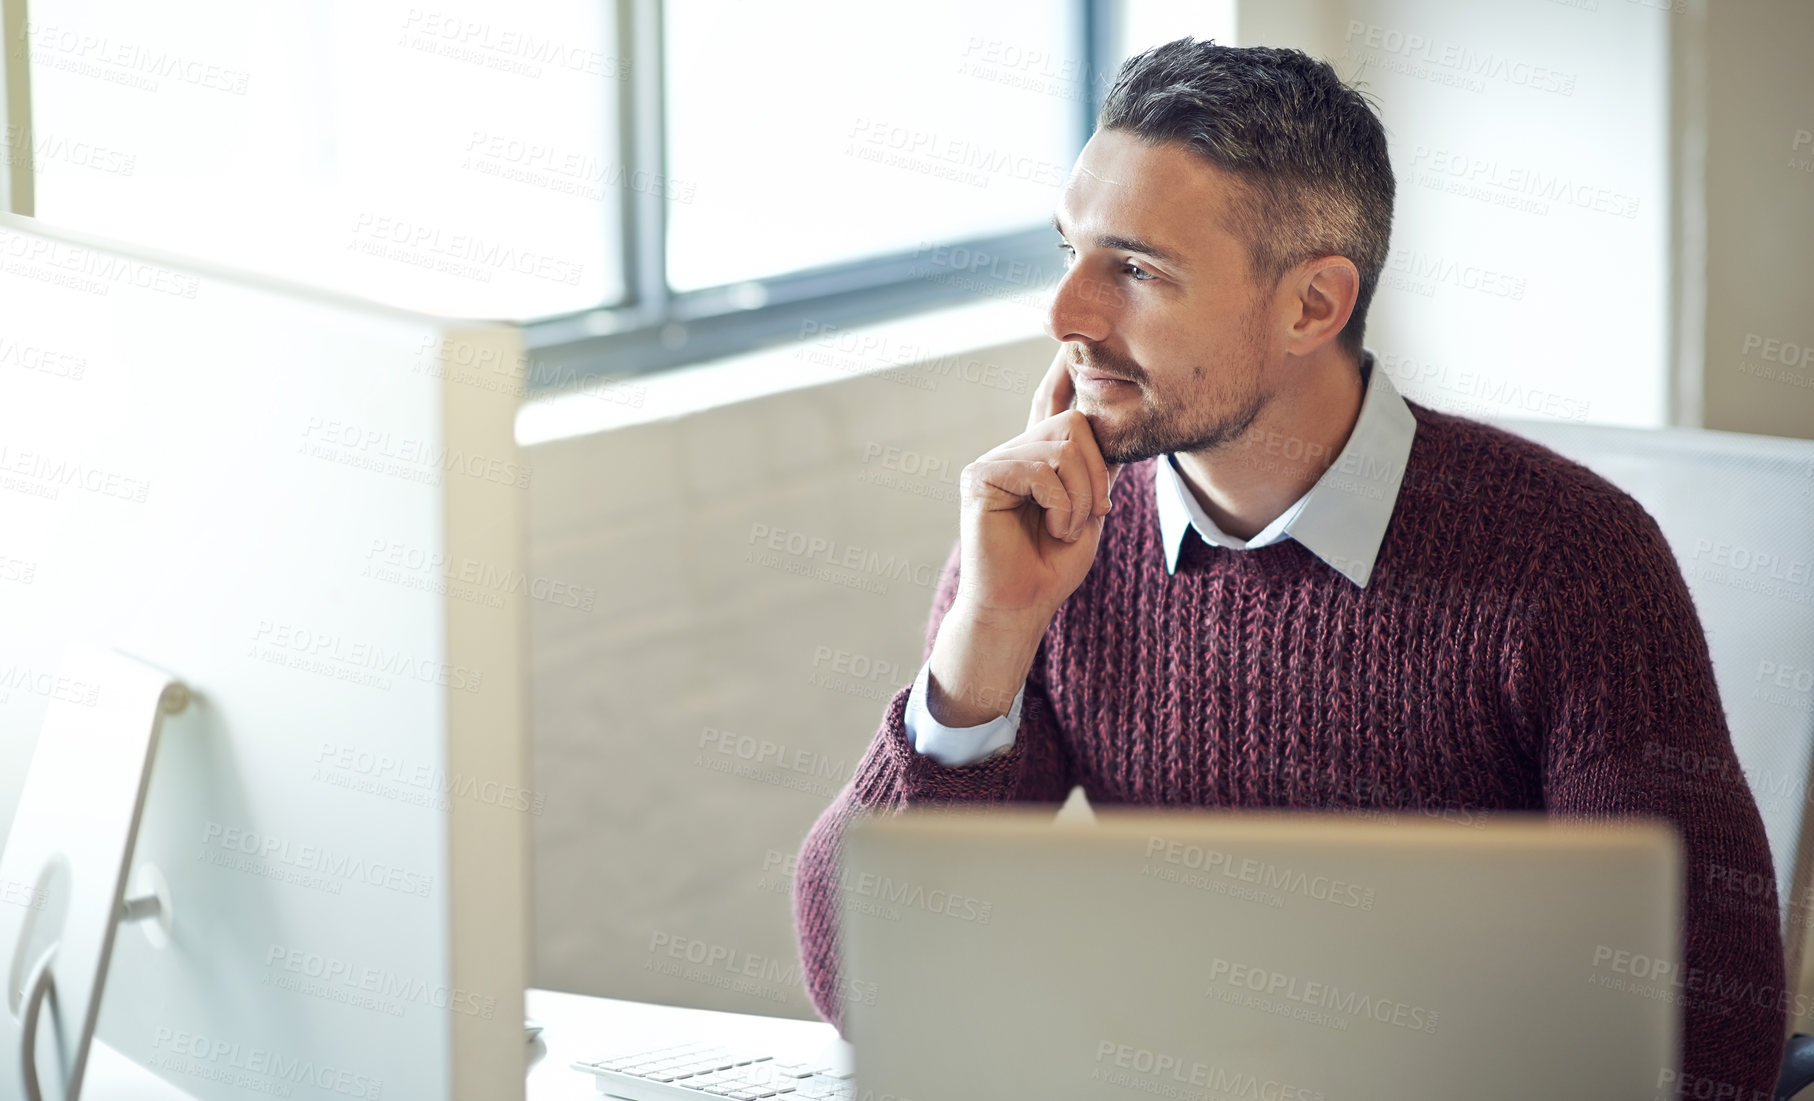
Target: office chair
<point x="1798" y="1066"/>
<point x="1738" y="511"/>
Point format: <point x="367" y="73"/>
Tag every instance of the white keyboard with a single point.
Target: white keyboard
<point x="693" y="1072"/>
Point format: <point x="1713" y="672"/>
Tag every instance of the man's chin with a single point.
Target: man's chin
<point x="1112" y="433"/>
<point x="1116" y="436"/>
<point x="1120" y="446"/>
<point x="1122" y="455"/>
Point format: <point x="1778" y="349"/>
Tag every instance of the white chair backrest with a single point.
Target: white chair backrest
<point x="1738" y="511"/>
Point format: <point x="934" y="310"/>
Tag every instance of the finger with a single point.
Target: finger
<point x="1013" y="482"/>
<point x="1048" y="397"/>
<point x="1070" y="459"/>
<point x="1101" y="477"/>
<point x="1003" y="484"/>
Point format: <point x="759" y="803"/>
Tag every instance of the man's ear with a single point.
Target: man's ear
<point x="1325" y="291"/>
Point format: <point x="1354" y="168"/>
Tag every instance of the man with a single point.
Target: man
<point x="1308" y="592"/>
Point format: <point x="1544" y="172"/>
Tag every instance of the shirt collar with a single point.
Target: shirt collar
<point x="1342" y="518"/>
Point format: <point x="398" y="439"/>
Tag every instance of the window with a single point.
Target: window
<point x="645" y="182"/>
<point x="821" y="132"/>
<point x="453" y="156"/>
<point x="822" y="164"/>
<point x="651" y="182"/>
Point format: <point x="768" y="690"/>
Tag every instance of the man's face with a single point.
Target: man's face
<point x="1165" y="329"/>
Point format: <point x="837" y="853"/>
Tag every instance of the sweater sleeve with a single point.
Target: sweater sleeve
<point x="892" y="776"/>
<point x="1612" y="671"/>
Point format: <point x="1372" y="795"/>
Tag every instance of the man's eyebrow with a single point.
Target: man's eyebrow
<point x="1132" y="244"/>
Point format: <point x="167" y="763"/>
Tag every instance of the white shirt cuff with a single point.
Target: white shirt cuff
<point x="951" y="746"/>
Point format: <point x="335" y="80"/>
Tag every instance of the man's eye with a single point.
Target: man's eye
<point x="1140" y="274"/>
<point x="1069" y="252"/>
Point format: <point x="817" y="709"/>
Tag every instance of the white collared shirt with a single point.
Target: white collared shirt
<point x="1341" y="519"/>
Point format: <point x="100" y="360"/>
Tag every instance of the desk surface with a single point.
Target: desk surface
<point x="578" y="1027"/>
<point x="574" y="1026"/>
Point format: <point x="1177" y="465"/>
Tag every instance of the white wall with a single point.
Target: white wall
<point x="1528" y="272"/>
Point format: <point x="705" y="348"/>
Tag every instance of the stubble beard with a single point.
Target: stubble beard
<point x="1160" y="426"/>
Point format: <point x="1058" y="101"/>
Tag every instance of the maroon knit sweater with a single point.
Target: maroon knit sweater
<point x="1525" y="642"/>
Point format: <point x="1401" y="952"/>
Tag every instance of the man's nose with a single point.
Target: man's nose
<point x="1082" y="308"/>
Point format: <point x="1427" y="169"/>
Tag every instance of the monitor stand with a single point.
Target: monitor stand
<point x="66" y="860"/>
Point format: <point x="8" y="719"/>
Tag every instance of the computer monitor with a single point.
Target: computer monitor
<point x="309" y="510"/>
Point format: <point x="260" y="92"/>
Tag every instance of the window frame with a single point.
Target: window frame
<point x="656" y="329"/>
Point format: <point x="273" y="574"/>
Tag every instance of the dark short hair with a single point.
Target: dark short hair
<point x="1309" y="149"/>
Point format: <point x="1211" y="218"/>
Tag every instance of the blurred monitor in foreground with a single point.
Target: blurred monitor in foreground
<point x="308" y="510"/>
